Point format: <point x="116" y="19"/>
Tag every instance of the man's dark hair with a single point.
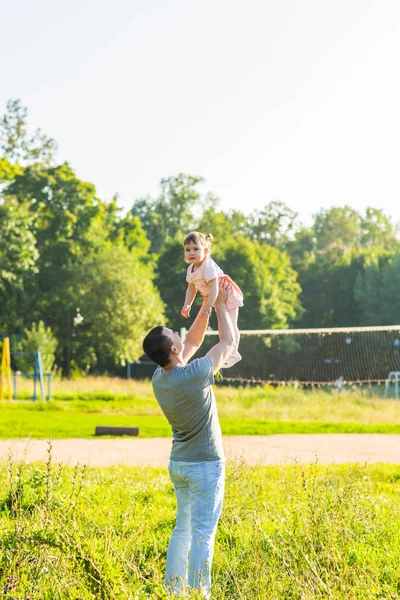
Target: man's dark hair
<point x="157" y="346"/>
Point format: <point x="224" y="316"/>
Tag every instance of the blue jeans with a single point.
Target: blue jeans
<point x="199" y="489"/>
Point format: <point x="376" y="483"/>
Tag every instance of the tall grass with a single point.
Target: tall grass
<point x="355" y="403"/>
<point x="301" y="533"/>
<point x="78" y="406"/>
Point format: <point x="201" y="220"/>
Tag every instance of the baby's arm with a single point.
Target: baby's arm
<point x="211" y="297"/>
<point x="190" y="296"/>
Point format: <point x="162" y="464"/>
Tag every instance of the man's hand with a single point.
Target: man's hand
<point x="185" y="312"/>
<point x="221" y="298"/>
<point x="222" y="293"/>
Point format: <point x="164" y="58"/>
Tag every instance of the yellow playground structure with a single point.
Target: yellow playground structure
<point x="5" y="381"/>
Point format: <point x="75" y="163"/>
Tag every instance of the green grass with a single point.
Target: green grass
<point x="78" y="406"/>
<point x="287" y="533"/>
<point x="44" y="424"/>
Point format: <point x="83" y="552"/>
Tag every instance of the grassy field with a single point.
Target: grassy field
<point x="78" y="406"/>
<point x="286" y="533"/>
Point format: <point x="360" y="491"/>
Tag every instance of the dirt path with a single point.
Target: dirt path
<point x="254" y="450"/>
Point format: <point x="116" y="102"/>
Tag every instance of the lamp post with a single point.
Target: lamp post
<point x="72" y="323"/>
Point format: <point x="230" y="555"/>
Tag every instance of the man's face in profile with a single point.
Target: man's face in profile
<point x="175" y="338"/>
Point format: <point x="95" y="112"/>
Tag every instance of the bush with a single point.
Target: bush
<point x="37" y="339"/>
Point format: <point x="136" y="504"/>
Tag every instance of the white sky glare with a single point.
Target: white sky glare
<point x="296" y="100"/>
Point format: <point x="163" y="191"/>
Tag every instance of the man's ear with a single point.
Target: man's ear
<point x="174" y="349"/>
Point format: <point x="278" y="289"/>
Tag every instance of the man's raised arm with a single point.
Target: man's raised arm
<point x="195" y="335"/>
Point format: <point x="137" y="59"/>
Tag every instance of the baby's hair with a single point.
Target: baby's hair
<point x="199" y="238"/>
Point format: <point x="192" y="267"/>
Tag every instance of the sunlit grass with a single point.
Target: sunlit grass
<point x="358" y="404"/>
<point x="304" y="533"/>
<point x="78" y="406"/>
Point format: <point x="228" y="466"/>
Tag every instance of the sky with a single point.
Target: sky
<point x="289" y="100"/>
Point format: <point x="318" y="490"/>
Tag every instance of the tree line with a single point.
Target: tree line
<point x="97" y="279"/>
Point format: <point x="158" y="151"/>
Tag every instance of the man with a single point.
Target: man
<point x="197" y="464"/>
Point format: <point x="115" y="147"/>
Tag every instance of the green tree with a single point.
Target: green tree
<point x="337" y="260"/>
<point x="38" y="338"/>
<point x="270" y="287"/>
<point x="18" y="262"/>
<point x="151" y="219"/>
<point x="18" y="252"/>
<point x="367" y="293"/>
<point x="390" y="311"/>
<point x="113" y="304"/>
<point x="301" y="248"/>
<point x="8" y="170"/>
<point x="92" y="277"/>
<point x="327" y="290"/>
<point x="17" y="144"/>
<point x="377" y="289"/>
<point x="172" y="212"/>
<point x="177" y="202"/>
<point x="273" y="225"/>
<point x="66" y="219"/>
<point x="74" y="229"/>
<point x="63" y="205"/>
<point x="224" y="226"/>
<point x="337" y="227"/>
<point x="171" y="281"/>
<point x="129" y="232"/>
<point x="378" y="230"/>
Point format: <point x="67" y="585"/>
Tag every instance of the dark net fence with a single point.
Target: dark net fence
<point x="315" y="355"/>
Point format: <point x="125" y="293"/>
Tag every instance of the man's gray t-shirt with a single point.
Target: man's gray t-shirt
<point x="186" y="397"/>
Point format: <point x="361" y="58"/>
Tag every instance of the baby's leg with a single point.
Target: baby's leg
<point x="233" y="315"/>
<point x="235" y="356"/>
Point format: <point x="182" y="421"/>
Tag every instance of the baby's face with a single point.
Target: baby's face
<point x="194" y="253"/>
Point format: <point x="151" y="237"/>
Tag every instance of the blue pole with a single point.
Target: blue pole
<point x="39" y="359"/>
<point x="35" y="377"/>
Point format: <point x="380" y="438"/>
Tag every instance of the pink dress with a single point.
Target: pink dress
<point x="208" y="271"/>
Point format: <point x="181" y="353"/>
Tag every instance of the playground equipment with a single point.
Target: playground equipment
<point x="37" y="374"/>
<point x="5" y="369"/>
